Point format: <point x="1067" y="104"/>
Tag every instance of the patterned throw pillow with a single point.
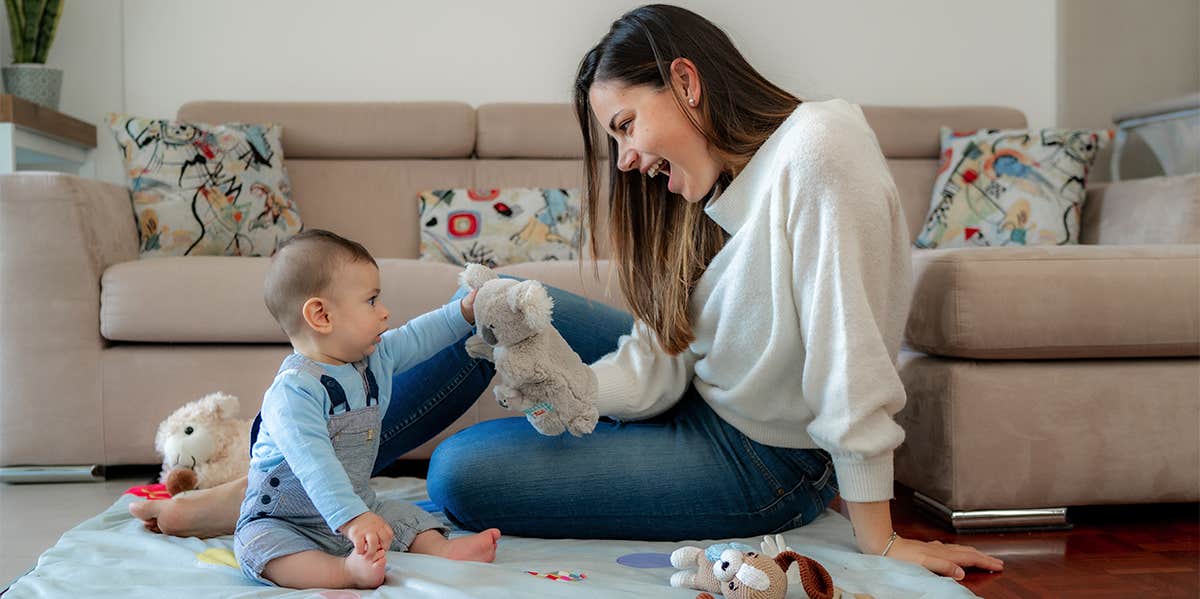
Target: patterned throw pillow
<point x="496" y="227"/>
<point x="206" y="190"/>
<point x="1011" y="187"/>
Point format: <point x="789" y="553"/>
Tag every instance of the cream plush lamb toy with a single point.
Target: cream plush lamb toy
<point x="540" y="374"/>
<point x="203" y="444"/>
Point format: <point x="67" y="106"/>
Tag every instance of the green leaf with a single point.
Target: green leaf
<point x="29" y="33"/>
<point x="47" y="30"/>
<point x="16" y="23"/>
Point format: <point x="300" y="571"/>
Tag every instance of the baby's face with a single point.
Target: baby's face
<point x="358" y="317"/>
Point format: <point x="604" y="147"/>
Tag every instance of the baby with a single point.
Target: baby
<point x="310" y="518"/>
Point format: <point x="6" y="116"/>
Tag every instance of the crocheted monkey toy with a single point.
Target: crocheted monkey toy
<point x="750" y="575"/>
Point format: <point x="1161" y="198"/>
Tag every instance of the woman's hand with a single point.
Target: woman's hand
<point x="873" y="527"/>
<point x="940" y="558"/>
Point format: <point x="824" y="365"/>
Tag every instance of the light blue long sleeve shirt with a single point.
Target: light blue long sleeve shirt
<point x="295" y="411"/>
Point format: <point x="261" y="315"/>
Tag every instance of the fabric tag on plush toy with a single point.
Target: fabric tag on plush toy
<point x="539" y="410"/>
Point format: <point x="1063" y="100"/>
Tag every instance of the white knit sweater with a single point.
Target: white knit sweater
<point x="799" y="318"/>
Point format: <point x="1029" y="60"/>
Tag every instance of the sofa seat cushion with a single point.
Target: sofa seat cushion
<point x="219" y="299"/>
<point x="1056" y="302"/>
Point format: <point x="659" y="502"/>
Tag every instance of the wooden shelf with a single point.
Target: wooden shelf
<point x="34" y="117"/>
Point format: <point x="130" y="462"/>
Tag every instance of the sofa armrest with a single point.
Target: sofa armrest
<point x="1159" y="210"/>
<point x="57" y="235"/>
<point x="1056" y="302"/>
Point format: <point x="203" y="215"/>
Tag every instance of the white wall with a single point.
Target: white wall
<point x="871" y="51"/>
<point x="1117" y="54"/>
<point x="149" y="56"/>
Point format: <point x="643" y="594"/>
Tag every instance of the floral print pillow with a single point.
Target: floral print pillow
<point x="206" y="190"/>
<point x="1010" y="187"/>
<point x="496" y="227"/>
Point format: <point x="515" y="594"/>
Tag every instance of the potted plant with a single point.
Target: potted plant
<point x="31" y="27"/>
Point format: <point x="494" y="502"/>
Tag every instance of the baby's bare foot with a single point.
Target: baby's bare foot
<point x="367" y="571"/>
<point x="479" y="547"/>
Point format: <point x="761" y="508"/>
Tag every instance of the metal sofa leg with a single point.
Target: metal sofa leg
<point x="52" y="474"/>
<point x="981" y="521"/>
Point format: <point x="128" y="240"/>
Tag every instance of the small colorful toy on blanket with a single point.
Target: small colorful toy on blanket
<point x="561" y="575"/>
<point x="539" y="373"/>
<point x="151" y="492"/>
<point x="736" y="571"/>
<point x="203" y="444"/>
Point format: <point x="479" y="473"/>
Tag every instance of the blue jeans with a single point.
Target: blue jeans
<point x="684" y="474"/>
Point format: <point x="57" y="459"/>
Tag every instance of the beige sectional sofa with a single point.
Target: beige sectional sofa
<point x="1058" y="376"/>
<point x="1039" y="377"/>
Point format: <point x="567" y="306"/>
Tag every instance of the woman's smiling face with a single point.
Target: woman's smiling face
<point x="655" y="137"/>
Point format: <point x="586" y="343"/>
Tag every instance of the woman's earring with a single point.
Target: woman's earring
<point x="691" y="101"/>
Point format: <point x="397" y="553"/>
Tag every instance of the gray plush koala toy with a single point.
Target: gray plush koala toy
<point x="540" y="374"/>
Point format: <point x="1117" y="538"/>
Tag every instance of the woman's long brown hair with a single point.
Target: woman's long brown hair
<point x="661" y="243"/>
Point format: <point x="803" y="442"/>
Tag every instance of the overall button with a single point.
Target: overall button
<point x="266" y="499"/>
<point x="274" y="481"/>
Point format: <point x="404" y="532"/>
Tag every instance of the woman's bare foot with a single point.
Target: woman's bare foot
<point x="204" y="513"/>
<point x="479" y="547"/>
<point x="366" y="572"/>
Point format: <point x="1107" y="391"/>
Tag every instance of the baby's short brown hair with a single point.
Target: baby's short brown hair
<point x="303" y="267"/>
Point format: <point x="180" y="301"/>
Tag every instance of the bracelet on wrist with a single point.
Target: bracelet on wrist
<point x="891" y="540"/>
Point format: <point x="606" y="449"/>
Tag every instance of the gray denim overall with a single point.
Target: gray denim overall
<point x="278" y="518"/>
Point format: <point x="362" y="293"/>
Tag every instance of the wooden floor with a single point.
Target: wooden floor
<point x="1126" y="552"/>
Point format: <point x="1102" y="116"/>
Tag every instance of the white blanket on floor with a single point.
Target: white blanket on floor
<point x="111" y="555"/>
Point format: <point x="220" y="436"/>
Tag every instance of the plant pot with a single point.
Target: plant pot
<point x="37" y="83"/>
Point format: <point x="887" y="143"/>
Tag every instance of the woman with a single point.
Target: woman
<point x="760" y="243"/>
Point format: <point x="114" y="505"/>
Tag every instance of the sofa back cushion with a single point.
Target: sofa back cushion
<point x="354" y="130"/>
<point x="357" y="167"/>
<point x="1143" y="211"/>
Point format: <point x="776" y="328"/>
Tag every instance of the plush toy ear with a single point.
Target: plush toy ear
<point x="225" y="405"/>
<point x="530" y="299"/>
<point x="475" y="275"/>
<point x="815" y="579"/>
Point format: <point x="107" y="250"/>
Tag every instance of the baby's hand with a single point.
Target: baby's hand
<point x="478" y="348"/>
<point x="368" y="532"/>
<point x="468" y="306"/>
